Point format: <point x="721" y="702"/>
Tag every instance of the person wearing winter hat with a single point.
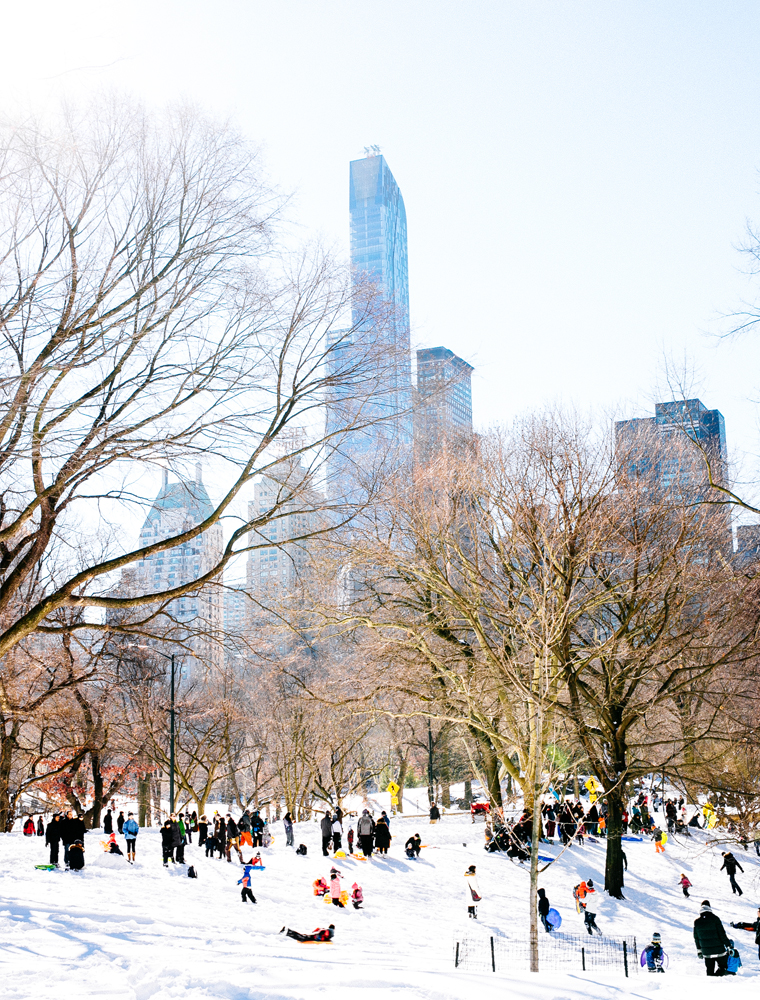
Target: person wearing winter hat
<point x="731" y="864"/>
<point x="335" y="887"/>
<point x="685" y="885"/>
<point x="472" y="893"/>
<point x="543" y="910"/>
<point x="711" y="940"/>
<point x="655" y="956"/>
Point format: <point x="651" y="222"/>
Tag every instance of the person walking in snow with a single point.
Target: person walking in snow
<point x="220" y="835"/>
<point x="108" y="822"/>
<point x="350" y="840"/>
<point x="40" y="826"/>
<point x="657" y="838"/>
<point x="318" y="934"/>
<point x="53" y="837"/>
<point x="203" y="832"/>
<point x="335" y="887"/>
<point x="543" y="910"/>
<point x="337" y="832"/>
<point x="287" y="822"/>
<point x="731" y="864"/>
<point x="29" y="828"/>
<point x="245" y="881"/>
<point x="326" y="828"/>
<point x="581" y="894"/>
<point x="365" y="829"/>
<point x="233" y="839"/>
<point x="685" y="885"/>
<point x="654" y="954"/>
<point x="711" y="940"/>
<point x="130" y="829"/>
<point x="167" y="843"/>
<point x="257" y="829"/>
<point x="472" y="893"/>
<point x="120" y="821"/>
<point x="754" y="926"/>
<point x="435" y="813"/>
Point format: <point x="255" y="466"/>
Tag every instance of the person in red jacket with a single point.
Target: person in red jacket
<point x="319" y="934"/>
<point x="29" y="828"/>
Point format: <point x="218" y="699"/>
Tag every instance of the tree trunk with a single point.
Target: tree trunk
<point x="445" y="776"/>
<point x="400" y="781"/>
<point x="534" y="842"/>
<point x="93" y="813"/>
<point x="157" y="799"/>
<point x="7" y="810"/>
<point x="613" y="872"/>
<point x="468" y="792"/>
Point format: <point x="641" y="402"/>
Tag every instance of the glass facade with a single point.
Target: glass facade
<point x="379" y="260"/>
<point x="444" y="408"/>
<point x="653" y="447"/>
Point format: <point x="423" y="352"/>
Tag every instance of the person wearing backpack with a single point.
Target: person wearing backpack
<point x="711" y="940"/>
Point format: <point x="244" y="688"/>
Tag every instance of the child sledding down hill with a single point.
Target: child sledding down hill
<point x="472" y="894"/>
<point x="318" y="934"/>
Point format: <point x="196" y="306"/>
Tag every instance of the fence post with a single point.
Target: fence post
<point x="456" y="957"/>
<point x="625" y="957"/>
<point x="583" y="958"/>
<point x="493" y="957"/>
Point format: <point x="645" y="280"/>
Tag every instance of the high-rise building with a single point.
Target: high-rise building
<point x="275" y="571"/>
<point x="443" y="417"/>
<point x="378" y="258"/>
<point x="197" y="618"/>
<point x="671" y="449"/>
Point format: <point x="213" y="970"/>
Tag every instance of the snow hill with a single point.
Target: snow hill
<point x="144" y="933"/>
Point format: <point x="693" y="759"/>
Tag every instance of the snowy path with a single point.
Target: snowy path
<point x="144" y="933"/>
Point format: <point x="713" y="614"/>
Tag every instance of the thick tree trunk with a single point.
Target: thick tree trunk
<point x="534" y="842"/>
<point x="613" y="872"/>
<point x="400" y="781"/>
<point x="7" y="803"/>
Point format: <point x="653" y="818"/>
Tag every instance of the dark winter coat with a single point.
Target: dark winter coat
<point x="73" y="829"/>
<point x="203" y="833"/>
<point x="54" y="831"/>
<point x="40" y="827"/>
<point x="382" y="835"/>
<point x="108" y="822"/>
<point x="257" y="823"/>
<point x="76" y="856"/>
<point x="543" y="903"/>
<point x="435" y="812"/>
<point x="232" y="829"/>
<point x="730" y="864"/>
<point x="245" y="823"/>
<point x="710" y="935"/>
<point x="220" y="832"/>
<point x="326" y="827"/>
<point x="120" y="822"/>
<point x="177" y="838"/>
<point x="167" y="837"/>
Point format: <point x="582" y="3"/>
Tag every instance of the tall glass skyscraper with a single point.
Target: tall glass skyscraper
<point x="380" y="268"/>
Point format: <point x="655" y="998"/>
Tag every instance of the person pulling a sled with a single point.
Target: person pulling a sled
<point x="472" y="894"/>
<point x="655" y="956"/>
<point x="581" y="892"/>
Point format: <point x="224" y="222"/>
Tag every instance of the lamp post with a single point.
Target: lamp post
<point x="166" y="656"/>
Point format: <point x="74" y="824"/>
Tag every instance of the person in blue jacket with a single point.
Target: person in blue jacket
<point x="130" y="831"/>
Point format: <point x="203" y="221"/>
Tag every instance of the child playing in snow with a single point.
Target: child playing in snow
<point x="472" y="893"/>
<point x="685" y="885"/>
<point x="655" y="956"/>
<point x="335" y="889"/>
<point x="321" y="888"/>
<point x="657" y="837"/>
<point x="580" y="893"/>
<point x="211" y="845"/>
<point x="543" y="910"/>
<point x="319" y="934"/>
<point x="357" y="896"/>
<point x="245" y="881"/>
<point x="350" y="840"/>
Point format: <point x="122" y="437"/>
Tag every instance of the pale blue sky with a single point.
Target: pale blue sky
<point x="576" y="174"/>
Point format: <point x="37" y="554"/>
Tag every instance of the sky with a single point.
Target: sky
<point x="577" y="176"/>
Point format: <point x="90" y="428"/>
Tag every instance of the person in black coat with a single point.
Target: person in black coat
<point x="220" y="834"/>
<point x="120" y="821"/>
<point x="178" y="841"/>
<point x="40" y="827"/>
<point x="731" y="864"/>
<point x="711" y="940"/>
<point x="53" y="837"/>
<point x="233" y="839"/>
<point x="413" y="846"/>
<point x="754" y="926"/>
<point x="326" y="828"/>
<point x="76" y="856"/>
<point x="73" y="830"/>
<point x="167" y="842"/>
<point x="435" y="813"/>
<point x="257" y="828"/>
<point x="203" y="832"/>
<point x="543" y="910"/>
<point x="108" y="822"/>
<point x="382" y="836"/>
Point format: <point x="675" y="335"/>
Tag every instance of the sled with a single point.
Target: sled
<point x="339" y="854"/>
<point x="664" y="838"/>
<point x="637" y="840"/>
<point x="327" y="898"/>
<point x="46" y="868"/>
<point x="554" y="919"/>
<point x="360" y="857"/>
<point x="665" y="959"/>
<point x="545" y="858"/>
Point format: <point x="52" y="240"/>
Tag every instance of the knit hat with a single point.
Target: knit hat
<point x="705" y="906"/>
<point x="656" y="939"/>
<point x="590" y="883"/>
<point x="471" y="869"/>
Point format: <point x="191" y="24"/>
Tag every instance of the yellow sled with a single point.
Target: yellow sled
<point x="343" y="898"/>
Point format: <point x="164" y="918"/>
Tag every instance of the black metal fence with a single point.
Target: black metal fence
<point x="556" y="951"/>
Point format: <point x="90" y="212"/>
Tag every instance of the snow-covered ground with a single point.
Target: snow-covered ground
<point x="145" y="933"/>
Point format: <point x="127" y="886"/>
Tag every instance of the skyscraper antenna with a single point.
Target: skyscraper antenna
<point x="371" y="150"/>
